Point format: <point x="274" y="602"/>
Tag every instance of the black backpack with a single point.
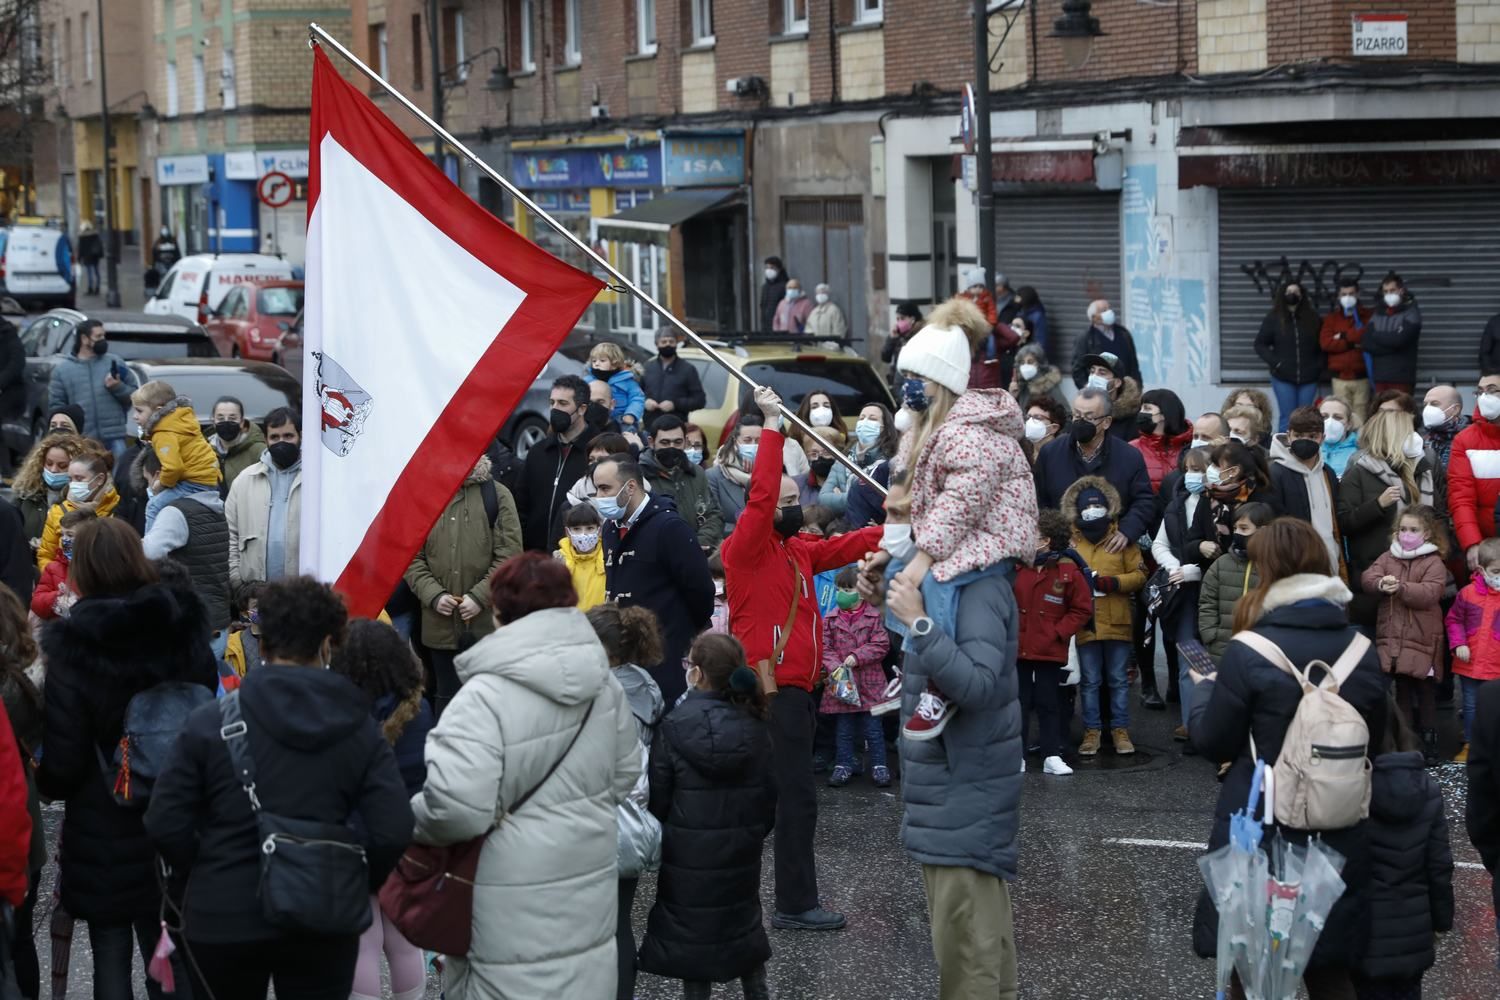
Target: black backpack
<point x="153" y="719"/>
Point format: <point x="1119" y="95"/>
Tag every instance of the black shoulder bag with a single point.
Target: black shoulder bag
<point x="314" y="877"/>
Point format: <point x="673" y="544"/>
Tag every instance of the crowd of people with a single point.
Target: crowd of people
<point x="638" y="650"/>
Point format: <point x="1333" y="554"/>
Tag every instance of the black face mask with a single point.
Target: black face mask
<point x="1082" y="431"/>
<point x="601" y="374"/>
<point x="822" y="466"/>
<point x="1146" y="422"/>
<point x="789" y="520"/>
<point x="667" y="353"/>
<point x="560" y="420"/>
<point x="1293" y="301"/>
<point x="669" y="458"/>
<point x="284" y="454"/>
<point x="227" y="430"/>
<point x="1094" y="531"/>
<point x="1239" y="544"/>
<point x="1303" y="448"/>
<point x="101" y="347"/>
<point x="596" y="415"/>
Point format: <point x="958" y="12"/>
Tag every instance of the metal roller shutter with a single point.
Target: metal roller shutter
<point x="1442" y="241"/>
<point x="1067" y="247"/>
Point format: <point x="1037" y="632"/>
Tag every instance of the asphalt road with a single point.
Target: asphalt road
<point x="1103" y="905"/>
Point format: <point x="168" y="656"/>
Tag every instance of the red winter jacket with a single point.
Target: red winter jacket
<point x="1055" y="603"/>
<point x="15" y="818"/>
<point x="758" y="577"/>
<point x="1340" y="338"/>
<point x="1161" y="454"/>
<point x="1474" y="481"/>
<point x="48" y="589"/>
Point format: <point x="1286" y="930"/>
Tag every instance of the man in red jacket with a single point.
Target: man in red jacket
<point x="1474" y="471"/>
<point x="761" y="583"/>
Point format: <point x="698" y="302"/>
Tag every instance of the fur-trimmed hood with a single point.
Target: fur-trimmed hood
<point x="180" y="403"/>
<point x="964" y="314"/>
<point x="1128" y="403"/>
<point x="1306" y="587"/>
<point x="1048" y="377"/>
<point x="1069" y="503"/>
<point x="481" y="472"/>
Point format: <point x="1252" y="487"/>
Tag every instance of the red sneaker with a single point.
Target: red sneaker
<point x="891" y="700"/>
<point x="930" y="718"/>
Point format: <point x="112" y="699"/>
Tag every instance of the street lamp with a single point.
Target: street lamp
<point x="499" y="79"/>
<point x="1076" y="31"/>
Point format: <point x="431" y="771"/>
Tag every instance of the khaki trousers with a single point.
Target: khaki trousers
<point x="973" y="935"/>
<point x="1355" y="392"/>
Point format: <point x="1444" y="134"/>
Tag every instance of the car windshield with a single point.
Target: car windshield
<point x="279" y="301"/>
<point x="849" y="383"/>
<point x="260" y="391"/>
<point x="135" y="346"/>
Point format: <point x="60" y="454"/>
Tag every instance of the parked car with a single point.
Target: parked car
<point x="528" y="422"/>
<point x="288" y="350"/>
<point x="261" y="386"/>
<point x="793" y="370"/>
<point x="252" y="319"/>
<point x="196" y="285"/>
<point x="52" y="335"/>
<point x="36" y="266"/>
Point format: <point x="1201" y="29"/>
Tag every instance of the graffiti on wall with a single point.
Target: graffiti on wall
<point x="1168" y="315"/>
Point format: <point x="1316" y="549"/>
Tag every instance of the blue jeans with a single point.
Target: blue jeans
<point x="1471" y="688"/>
<point x="853" y="726"/>
<point x="117" y="447"/>
<point x="171" y="493"/>
<point x="1180" y="626"/>
<point x="1291" y="396"/>
<point x="1097" y="660"/>
<point x="91" y="270"/>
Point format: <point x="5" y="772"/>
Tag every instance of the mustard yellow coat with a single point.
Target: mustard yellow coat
<point x="185" y="454"/>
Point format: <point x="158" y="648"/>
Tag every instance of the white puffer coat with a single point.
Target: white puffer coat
<point x="545" y="895"/>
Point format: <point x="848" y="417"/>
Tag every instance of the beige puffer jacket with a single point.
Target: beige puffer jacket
<point x="545" y="895"/>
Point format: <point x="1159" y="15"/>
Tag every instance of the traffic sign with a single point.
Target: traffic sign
<point x="275" y="189"/>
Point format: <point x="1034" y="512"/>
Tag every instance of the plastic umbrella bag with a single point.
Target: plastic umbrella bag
<point x="1299" y="888"/>
<point x="1230" y="873"/>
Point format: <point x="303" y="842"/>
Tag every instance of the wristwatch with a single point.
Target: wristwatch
<point x="921" y="626"/>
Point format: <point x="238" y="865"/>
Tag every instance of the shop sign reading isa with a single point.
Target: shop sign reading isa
<point x="1380" y="35"/>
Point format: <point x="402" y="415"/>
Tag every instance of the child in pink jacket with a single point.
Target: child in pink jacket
<point x="1474" y="634"/>
<point x="854" y="636"/>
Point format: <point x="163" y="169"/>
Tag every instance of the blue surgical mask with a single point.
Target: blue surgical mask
<point x="867" y="432"/>
<point x="608" y="507"/>
<point x="1193" y="482"/>
<point x="67" y="548"/>
<point x="694" y="455"/>
<point x="54" y="480"/>
<point x="914" y="395"/>
<point x="747" y="453"/>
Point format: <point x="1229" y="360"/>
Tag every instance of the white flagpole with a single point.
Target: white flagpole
<point x="317" y="35"/>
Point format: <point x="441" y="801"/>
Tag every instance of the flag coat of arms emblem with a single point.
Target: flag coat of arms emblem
<point x="426" y="319"/>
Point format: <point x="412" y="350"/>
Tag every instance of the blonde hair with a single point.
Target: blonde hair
<point x="1382" y="437"/>
<point x="939" y="404"/>
<point x="1258" y="399"/>
<point x="608" y="352"/>
<point x="28" y="481"/>
<point x="155" y="394"/>
<point x="1431" y="524"/>
<point x="1250" y="413"/>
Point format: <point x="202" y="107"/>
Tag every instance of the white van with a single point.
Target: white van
<point x="196" y="284"/>
<point x="36" y="265"/>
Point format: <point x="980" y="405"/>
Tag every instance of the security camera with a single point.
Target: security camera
<point x="1101" y="143"/>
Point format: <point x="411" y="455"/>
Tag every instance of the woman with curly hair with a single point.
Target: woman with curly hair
<point x="42" y="481"/>
<point x="1257" y="400"/>
<point x="383" y="666"/>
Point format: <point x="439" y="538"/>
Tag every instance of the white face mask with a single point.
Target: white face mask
<point x="1237" y="437"/>
<point x="1412" y="446"/>
<point x="1348" y="301"/>
<point x="820" y="416"/>
<point x="1393" y="299"/>
<point x="718" y="588"/>
<point x="1213" y="476"/>
<point x="1099" y="382"/>
<point x="1107" y="318"/>
<point x="896" y="539"/>
<point x="1198" y="442"/>
<point x="793" y="294"/>
<point x="771" y="273"/>
<point x="1333" y="429"/>
<point x="1489" y="407"/>
<point x="1035" y="429"/>
<point x="1094" y="513"/>
<point x="1433" y="416"/>
<point x="1492" y="581"/>
<point x="1028" y="372"/>
<point x="904" y="420"/>
<point x="584" y="541"/>
<point x="822" y="298"/>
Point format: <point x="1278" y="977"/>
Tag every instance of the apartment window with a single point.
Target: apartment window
<point x="172" y="106"/>
<point x="88" y="48"/>
<point x="868" y="11"/>
<point x="227" y="91"/>
<point x="200" y="99"/>
<point x="453" y="43"/>
<point x="416" y="52"/>
<point x="572" y="50"/>
<point x="796" y="17"/>
<point x="703" y="22"/>
<point x="645" y="26"/>
<point x="527" y="22"/>
<point x="380" y="53"/>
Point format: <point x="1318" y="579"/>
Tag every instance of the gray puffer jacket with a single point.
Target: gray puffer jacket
<point x="962" y="791"/>
<point x="79" y="381"/>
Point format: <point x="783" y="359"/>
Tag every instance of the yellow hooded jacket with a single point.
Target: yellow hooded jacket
<point x="51" y="544"/>
<point x="185" y="454"/>
<point x="587" y="572"/>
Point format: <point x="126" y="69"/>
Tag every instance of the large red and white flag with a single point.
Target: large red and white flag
<point x="426" y="320"/>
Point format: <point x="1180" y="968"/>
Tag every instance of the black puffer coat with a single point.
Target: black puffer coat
<point x="713" y="790"/>
<point x="1288" y="343"/>
<point x="1305" y="616"/>
<point x="1411" y="869"/>
<point x="108" y="650"/>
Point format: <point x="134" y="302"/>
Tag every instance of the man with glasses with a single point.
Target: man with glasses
<point x="1088" y="449"/>
<point x="1474" y="471"/>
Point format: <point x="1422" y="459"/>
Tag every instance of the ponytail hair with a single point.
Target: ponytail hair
<point x="629" y="635"/>
<point x="721" y="658"/>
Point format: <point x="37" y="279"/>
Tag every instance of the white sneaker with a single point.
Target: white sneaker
<point x="1056" y="765"/>
<point x="891" y="700"/>
<point x="1023" y="765"/>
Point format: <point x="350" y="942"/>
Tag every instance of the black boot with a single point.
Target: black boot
<point x="755" y="985"/>
<point x="1430" y="748"/>
<point x="1150" y="698"/>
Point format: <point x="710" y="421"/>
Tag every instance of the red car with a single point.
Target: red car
<point x="253" y="318"/>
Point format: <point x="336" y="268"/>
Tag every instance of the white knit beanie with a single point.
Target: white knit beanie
<point x="940" y="353"/>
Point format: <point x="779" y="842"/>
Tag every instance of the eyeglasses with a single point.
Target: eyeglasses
<point x="1096" y="421"/>
<point x="1489" y="390"/>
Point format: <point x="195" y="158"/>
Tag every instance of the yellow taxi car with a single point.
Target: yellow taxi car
<point x="793" y="369"/>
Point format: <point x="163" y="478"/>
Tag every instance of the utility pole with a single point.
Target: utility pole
<point x="111" y="265"/>
<point x="983" y="164"/>
<point x="434" y="47"/>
